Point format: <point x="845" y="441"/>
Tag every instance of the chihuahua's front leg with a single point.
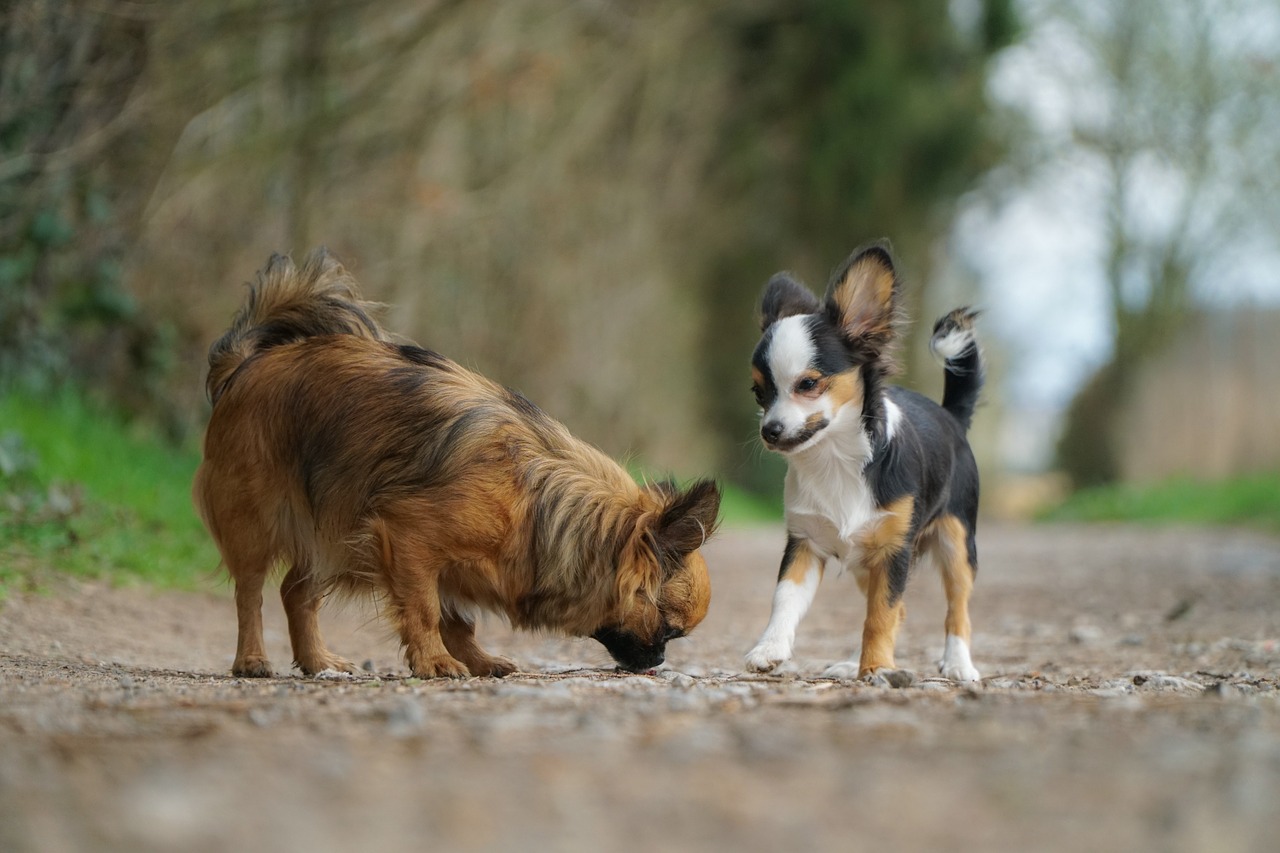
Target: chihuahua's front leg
<point x="798" y="581"/>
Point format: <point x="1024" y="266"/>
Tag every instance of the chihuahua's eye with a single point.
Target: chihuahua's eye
<point x="804" y="386"/>
<point x="759" y="394"/>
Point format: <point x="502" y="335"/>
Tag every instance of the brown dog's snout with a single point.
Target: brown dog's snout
<point x="629" y="651"/>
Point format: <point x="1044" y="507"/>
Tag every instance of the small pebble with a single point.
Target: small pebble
<point x="406" y="717"/>
<point x="1221" y="690"/>
<point x="895" y="678"/>
<point x="1084" y="634"/>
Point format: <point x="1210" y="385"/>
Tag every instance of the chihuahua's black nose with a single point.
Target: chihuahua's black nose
<point x="771" y="432"/>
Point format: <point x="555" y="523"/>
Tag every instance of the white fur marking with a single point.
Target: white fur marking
<point x="892" y="417"/>
<point x="952" y="344"/>
<point x="955" y="663"/>
<point x="791" y="355"/>
<point x="827" y="497"/>
<point x="791" y="601"/>
<point x="790" y="352"/>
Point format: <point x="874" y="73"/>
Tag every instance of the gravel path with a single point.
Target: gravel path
<point x="1131" y="701"/>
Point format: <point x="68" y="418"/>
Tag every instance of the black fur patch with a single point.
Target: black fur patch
<point x="928" y="458"/>
<point x="788" y="555"/>
<point x="783" y="297"/>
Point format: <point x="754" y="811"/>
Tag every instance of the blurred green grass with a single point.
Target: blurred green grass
<point x="1251" y="501"/>
<point x="83" y="493"/>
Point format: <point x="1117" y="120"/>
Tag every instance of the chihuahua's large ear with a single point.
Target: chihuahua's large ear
<point x="689" y="519"/>
<point x="862" y="299"/>
<point x="784" y="296"/>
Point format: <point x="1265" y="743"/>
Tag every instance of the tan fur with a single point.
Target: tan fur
<point x="364" y="466"/>
<point x="866" y="298"/>
<point x="803" y="561"/>
<point x="945" y="540"/>
<point x="844" y="389"/>
<point x="880" y="630"/>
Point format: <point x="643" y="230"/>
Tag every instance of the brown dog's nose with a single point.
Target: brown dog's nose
<point x="771" y="432"/>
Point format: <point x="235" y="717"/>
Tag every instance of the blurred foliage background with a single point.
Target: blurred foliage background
<point x="583" y="199"/>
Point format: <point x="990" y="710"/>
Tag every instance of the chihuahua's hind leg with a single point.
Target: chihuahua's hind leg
<point x="798" y="581"/>
<point x="951" y="543"/>
<point x="302" y="598"/>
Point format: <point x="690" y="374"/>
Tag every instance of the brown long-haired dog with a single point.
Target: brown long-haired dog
<point x="367" y="465"/>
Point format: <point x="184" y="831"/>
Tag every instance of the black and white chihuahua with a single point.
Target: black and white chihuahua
<point x="877" y="476"/>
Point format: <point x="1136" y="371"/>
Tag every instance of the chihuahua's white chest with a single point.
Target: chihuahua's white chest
<point x="828" y="499"/>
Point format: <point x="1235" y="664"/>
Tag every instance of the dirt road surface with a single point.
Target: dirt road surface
<point x="1130" y="701"/>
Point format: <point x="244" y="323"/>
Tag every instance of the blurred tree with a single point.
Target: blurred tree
<point x="1173" y="127"/>
<point x="854" y="121"/>
<point x="65" y="78"/>
<point x="580" y="199"/>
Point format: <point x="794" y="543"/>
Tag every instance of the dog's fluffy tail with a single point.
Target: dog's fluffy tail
<point x="289" y="304"/>
<point x="953" y="343"/>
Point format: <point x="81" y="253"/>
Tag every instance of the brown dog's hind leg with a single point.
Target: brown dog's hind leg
<point x="459" y="637"/>
<point x="302" y="597"/>
<point x="246" y="551"/>
<point x="251" y="656"/>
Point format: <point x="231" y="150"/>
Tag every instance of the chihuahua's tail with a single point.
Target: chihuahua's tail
<point x="288" y="304"/>
<point x="953" y="343"/>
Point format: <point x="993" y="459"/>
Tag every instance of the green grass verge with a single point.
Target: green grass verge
<point x="1252" y="501"/>
<point x="83" y="494"/>
<point x="740" y="508"/>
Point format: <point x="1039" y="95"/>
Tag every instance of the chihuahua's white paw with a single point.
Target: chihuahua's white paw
<point x="956" y="663"/>
<point x="768" y="654"/>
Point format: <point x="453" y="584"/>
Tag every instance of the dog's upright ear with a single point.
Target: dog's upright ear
<point x="689" y="518"/>
<point x="862" y="299"/>
<point x="784" y="296"/>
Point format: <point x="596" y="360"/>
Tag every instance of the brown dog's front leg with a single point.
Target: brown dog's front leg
<point x="412" y="581"/>
<point x="459" y="637"/>
<point x="424" y="648"/>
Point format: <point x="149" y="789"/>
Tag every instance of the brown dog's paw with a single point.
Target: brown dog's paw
<point x="327" y="661"/>
<point x="438" y="666"/>
<point x="252" y="666"/>
<point x="494" y="666"/>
